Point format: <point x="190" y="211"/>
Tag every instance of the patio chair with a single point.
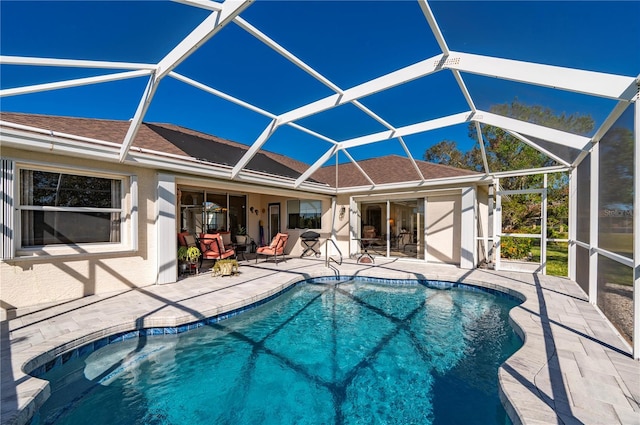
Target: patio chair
<point x="369" y="232"/>
<point x="226" y="238"/>
<point x="278" y="243"/>
<point x="181" y="236"/>
<point x="189" y="241"/>
<point x="213" y="248"/>
<point x="370" y="238"/>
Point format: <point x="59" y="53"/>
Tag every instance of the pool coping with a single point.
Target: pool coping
<point x="572" y="368"/>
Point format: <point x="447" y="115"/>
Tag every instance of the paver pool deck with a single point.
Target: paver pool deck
<point x="572" y="369"/>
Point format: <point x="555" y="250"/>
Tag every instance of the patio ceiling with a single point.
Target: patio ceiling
<point x="353" y="94"/>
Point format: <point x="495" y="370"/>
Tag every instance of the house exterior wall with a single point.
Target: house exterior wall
<point x="30" y="280"/>
<point x="443" y="225"/>
<point x="166" y="218"/>
<point x="342" y="227"/>
<point x="26" y="281"/>
<point x="295" y="246"/>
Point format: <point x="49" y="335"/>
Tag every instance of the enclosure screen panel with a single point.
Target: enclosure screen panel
<point x="582" y="268"/>
<point x="615" y="294"/>
<point x="615" y="212"/>
<point x="583" y="196"/>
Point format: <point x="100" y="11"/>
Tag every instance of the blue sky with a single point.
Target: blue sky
<point x="347" y="42"/>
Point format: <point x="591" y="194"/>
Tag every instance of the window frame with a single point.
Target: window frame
<point x="127" y="211"/>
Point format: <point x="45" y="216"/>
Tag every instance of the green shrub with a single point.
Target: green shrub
<point x="515" y="248"/>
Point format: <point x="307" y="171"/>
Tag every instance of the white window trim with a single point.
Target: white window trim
<point x="128" y="214"/>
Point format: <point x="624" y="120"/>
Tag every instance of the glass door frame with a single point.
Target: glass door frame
<point x="389" y="222"/>
<point x="274" y="221"/>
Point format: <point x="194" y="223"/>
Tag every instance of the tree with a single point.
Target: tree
<point x="505" y="152"/>
<point x="447" y="152"/>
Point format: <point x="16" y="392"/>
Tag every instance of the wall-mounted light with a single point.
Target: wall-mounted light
<point x="342" y="211"/>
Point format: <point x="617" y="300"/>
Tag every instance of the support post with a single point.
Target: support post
<point x="543" y="222"/>
<point x="167" y="239"/>
<point x="593" y="224"/>
<point x="468" y="229"/>
<point x="573" y="222"/>
<point x="636" y="232"/>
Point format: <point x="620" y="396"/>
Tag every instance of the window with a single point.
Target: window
<point x="202" y="211"/>
<point x="304" y="214"/>
<point x="57" y="208"/>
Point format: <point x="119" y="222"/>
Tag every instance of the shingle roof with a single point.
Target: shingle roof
<point x="386" y="169"/>
<point x="219" y="151"/>
<point x="173" y="139"/>
<point x="167" y="138"/>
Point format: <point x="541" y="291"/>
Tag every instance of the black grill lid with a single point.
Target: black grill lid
<point x="310" y="235"/>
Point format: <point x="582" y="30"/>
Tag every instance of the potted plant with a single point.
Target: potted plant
<point x="193" y="254"/>
<point x="182" y="259"/>
<point x="225" y="267"/>
<point x="241" y="235"/>
<point x="188" y="256"/>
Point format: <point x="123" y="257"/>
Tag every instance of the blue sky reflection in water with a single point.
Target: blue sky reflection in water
<point x="352" y="354"/>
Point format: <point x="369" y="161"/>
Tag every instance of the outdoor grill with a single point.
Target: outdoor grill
<point x="310" y="239"/>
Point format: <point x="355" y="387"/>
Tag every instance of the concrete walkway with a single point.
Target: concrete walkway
<point x="572" y="369"/>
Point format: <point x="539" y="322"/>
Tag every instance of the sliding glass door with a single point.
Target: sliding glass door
<point x="393" y="228"/>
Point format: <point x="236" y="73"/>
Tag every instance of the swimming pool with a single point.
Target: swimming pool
<point x="347" y="353"/>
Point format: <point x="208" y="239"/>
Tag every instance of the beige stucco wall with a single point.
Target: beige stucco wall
<point x="443" y="218"/>
<point x="294" y="246"/>
<point x="28" y="281"/>
<point x="342" y="224"/>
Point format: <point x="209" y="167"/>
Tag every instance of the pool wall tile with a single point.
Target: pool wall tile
<point x="116" y="338"/>
<point x="100" y="343"/>
<point x="130" y="335"/>
<point x="85" y="350"/>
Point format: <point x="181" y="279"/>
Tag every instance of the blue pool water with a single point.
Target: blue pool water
<point x="352" y="353"/>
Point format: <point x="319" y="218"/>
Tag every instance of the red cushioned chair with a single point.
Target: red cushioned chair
<point x="278" y="243"/>
<point x="213" y="248"/>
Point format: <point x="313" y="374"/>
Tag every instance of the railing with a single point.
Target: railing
<point x="329" y="259"/>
